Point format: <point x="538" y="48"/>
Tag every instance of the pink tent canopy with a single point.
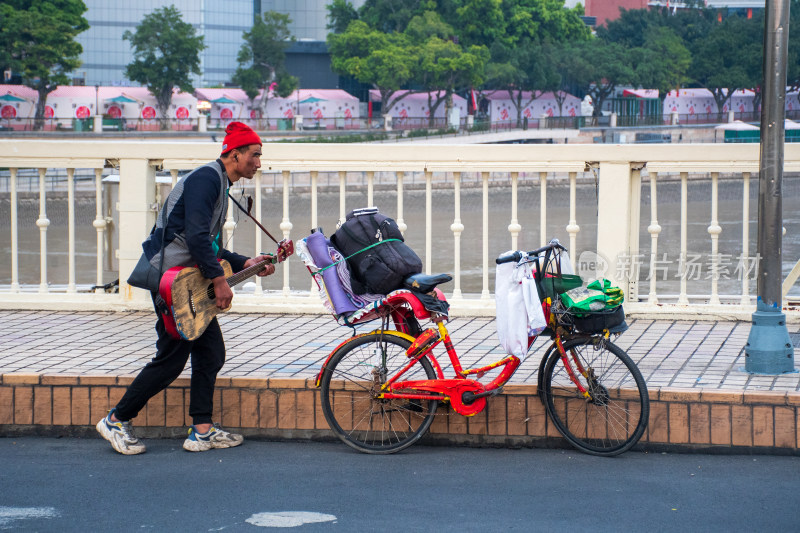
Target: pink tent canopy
<point x="71" y="102"/>
<point x="321" y="106"/>
<point x="641" y="93"/>
<point x="324" y="103"/>
<point x="699" y="101"/>
<point x="415" y="105"/>
<point x="503" y="109"/>
<point x="17" y="105"/>
<point x="227" y="104"/>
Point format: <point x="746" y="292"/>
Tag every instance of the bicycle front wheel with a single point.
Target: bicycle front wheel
<point x="612" y="415"/>
<point x="350" y="387"/>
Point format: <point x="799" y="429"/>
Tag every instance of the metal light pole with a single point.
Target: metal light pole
<point x="769" y="349"/>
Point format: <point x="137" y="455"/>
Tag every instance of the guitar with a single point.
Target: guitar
<point x="190" y="297"/>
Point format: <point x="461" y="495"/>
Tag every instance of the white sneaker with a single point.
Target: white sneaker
<point x="120" y="435"/>
<point x="215" y="438"/>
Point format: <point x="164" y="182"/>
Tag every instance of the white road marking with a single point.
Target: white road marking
<point x="9" y="514"/>
<point x="288" y="518"/>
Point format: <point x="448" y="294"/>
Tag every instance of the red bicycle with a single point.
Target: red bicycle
<point x="381" y="390"/>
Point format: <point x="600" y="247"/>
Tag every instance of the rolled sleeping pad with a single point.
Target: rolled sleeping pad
<point x="318" y="248"/>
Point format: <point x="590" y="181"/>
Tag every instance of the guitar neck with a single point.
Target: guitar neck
<point x="249" y="271"/>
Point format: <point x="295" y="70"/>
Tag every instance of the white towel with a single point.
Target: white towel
<point x="533" y="307"/>
<point x="512" y="319"/>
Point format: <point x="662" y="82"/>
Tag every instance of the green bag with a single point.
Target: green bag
<point x="614" y="295"/>
<point x="597" y="296"/>
<point x="554" y="285"/>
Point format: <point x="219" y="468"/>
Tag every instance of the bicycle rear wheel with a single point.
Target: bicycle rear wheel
<point x="349" y="387"/>
<point x="614" y="416"/>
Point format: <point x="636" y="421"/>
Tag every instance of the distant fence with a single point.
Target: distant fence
<point x="465" y="123"/>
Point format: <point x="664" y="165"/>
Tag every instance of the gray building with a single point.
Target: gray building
<point x="105" y="53"/>
<point x="308" y="58"/>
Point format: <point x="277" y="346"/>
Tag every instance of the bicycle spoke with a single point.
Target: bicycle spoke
<point x="351" y="390"/>
<point x="613" y="418"/>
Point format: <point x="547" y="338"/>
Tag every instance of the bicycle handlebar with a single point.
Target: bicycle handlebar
<point x="516" y="256"/>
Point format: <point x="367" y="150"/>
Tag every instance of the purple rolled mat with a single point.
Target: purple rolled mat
<point x="318" y="248"/>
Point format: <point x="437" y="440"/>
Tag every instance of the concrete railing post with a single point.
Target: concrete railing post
<point x="98" y="123"/>
<point x="673" y="119"/>
<point x="614" y="216"/>
<point x="612" y="120"/>
<point x="137" y="214"/>
<point x="298" y="123"/>
<point x="731" y="116"/>
<point x="202" y="123"/>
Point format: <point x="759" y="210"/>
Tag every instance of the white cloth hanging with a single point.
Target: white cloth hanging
<point x="519" y="310"/>
<point x="511" y="316"/>
<point x="533" y="307"/>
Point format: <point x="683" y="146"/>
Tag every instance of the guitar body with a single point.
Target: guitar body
<point x="191" y="299"/>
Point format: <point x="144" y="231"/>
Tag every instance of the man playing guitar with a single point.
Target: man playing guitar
<point x="189" y="234"/>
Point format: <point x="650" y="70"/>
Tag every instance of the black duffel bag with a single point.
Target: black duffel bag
<point x="597" y="321"/>
<point x="379" y="260"/>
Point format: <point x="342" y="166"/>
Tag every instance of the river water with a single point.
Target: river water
<point x="699" y="242"/>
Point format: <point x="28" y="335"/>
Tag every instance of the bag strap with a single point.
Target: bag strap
<point x="251" y="217"/>
<point x="355" y="253"/>
<point x="163" y="243"/>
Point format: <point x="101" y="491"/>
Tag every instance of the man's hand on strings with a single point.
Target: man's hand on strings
<point x="269" y="268"/>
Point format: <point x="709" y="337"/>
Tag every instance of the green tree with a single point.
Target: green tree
<point x="482" y="23"/>
<point x="430" y="24"/>
<point x="599" y="67"/>
<point x="340" y="14"/>
<point x="657" y="42"/>
<point x="262" y="60"/>
<point x="392" y="15"/>
<point x="663" y="62"/>
<point x="728" y="58"/>
<point x="384" y="60"/>
<point x="166" y="52"/>
<point x="524" y="69"/>
<point x="445" y="67"/>
<point x="632" y="29"/>
<point x="523" y="36"/>
<point x="38" y="38"/>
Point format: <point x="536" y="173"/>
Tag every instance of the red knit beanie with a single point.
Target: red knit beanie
<point x="237" y="135"/>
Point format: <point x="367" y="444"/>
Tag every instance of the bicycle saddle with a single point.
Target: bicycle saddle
<point x="425" y="282"/>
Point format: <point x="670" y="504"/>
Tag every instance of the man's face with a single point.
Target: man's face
<point x="248" y="161"/>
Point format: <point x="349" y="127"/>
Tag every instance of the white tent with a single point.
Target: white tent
<point x="701" y="101"/>
<point x="415" y="106"/>
<point x="503" y="109"/>
<point x="138" y="109"/>
<point x="322" y="108"/>
<point x="17" y="106"/>
<point x="73" y="106"/>
<point x="227" y="105"/>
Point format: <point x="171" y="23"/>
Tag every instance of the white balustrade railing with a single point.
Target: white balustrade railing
<point x="589" y="196"/>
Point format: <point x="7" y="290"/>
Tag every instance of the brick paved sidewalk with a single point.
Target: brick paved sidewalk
<point x="671" y="354"/>
<point x="60" y="372"/>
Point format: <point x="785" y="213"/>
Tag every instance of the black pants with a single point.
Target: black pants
<point x="208" y="356"/>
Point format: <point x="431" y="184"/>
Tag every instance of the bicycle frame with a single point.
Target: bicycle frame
<point x="392" y="380"/>
<point x="465" y="393"/>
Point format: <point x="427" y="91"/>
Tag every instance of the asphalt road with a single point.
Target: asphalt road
<point x="82" y="485"/>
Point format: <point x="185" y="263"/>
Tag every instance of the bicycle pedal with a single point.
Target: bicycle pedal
<point x="425" y="339"/>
